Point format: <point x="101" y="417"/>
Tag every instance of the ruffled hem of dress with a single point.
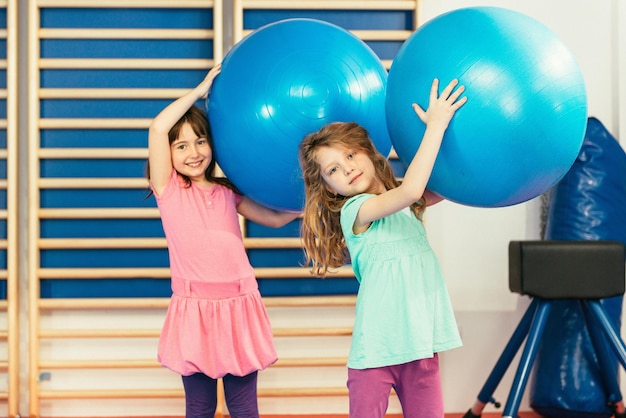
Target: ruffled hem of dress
<point x="217" y="337"/>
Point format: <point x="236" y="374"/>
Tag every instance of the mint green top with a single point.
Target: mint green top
<point x="403" y="311"/>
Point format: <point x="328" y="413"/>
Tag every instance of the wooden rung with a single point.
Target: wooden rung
<point x="155" y="333"/>
<point x="164" y="273"/>
<point x="123" y="63"/>
<point x="104" y="273"/>
<point x="201" y="4"/>
<point x="312" y="332"/>
<point x="108" y="303"/>
<point x="111" y="394"/>
<point x="298" y="272"/>
<point x="102" y="213"/>
<point x="98" y="213"/>
<point x="370" y="35"/>
<point x="277" y="242"/>
<point x="124" y="33"/>
<point x="331" y="4"/>
<point x="99" y="333"/>
<point x="93" y="183"/>
<point x="101" y="243"/>
<point x="84" y="243"/>
<point x="93" y="123"/>
<point x="111" y="93"/>
<point x="178" y="393"/>
<point x="4" y="365"/>
<point x="152" y="363"/>
<point x="301" y="392"/>
<point x="99" y="364"/>
<point x="310" y="301"/>
<point x="382" y="35"/>
<point x="152" y="333"/>
<point x="311" y="362"/>
<point x="4" y="335"/>
<point x="3" y="303"/>
<point x="93" y="153"/>
<point x="162" y="303"/>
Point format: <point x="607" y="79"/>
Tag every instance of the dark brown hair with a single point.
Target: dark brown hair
<point x="198" y="121"/>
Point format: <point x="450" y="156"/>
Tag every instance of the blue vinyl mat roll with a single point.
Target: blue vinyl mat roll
<point x="589" y="203"/>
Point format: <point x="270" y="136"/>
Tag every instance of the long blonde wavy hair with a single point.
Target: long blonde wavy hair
<point x="324" y="243"/>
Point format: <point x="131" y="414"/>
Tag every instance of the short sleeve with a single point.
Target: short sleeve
<point x="169" y="187"/>
<point x="349" y="211"/>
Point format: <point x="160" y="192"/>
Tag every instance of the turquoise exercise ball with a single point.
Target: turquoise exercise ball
<point x="280" y="83"/>
<point x="525" y="119"/>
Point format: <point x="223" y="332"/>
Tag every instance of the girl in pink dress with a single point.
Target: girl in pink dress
<point x="216" y="324"/>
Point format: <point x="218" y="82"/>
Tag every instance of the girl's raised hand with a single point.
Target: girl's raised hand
<point x="206" y="84"/>
<point x="441" y="108"/>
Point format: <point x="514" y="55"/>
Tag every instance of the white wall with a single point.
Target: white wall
<point x="619" y="69"/>
<point x="471" y="243"/>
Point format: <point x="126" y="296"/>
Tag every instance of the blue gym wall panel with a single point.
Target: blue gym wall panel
<point x="59" y="108"/>
<point x="72" y="108"/>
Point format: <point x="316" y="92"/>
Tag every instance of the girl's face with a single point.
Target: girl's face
<point x="191" y="155"/>
<point x="348" y="172"/>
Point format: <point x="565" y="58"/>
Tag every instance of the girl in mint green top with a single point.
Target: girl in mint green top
<point x="356" y="211"/>
<point x="403" y="309"/>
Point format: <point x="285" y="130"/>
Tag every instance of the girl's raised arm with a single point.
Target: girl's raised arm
<point x="159" y="157"/>
<point x="440" y="110"/>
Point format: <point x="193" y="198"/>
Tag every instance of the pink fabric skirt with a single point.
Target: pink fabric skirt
<point x="216" y="329"/>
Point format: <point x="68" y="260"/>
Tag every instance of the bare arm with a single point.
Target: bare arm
<point x="159" y="155"/>
<point x="440" y="110"/>
<point x="263" y="215"/>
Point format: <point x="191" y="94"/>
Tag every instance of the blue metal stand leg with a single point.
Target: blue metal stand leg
<point x="527" y="359"/>
<point x="509" y="352"/>
<point x="604" y="354"/>
<point x="616" y="342"/>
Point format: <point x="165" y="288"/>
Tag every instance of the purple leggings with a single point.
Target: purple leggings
<point x="417" y="384"/>
<point x="240" y="393"/>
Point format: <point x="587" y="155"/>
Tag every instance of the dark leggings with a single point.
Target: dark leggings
<point x="239" y="391"/>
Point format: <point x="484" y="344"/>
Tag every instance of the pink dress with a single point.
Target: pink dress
<point x="216" y="322"/>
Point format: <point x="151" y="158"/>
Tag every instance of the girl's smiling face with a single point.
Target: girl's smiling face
<point x="191" y="155"/>
<point x="347" y="172"/>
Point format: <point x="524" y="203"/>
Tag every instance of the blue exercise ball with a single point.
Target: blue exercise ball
<point x="524" y="122"/>
<point x="280" y="83"/>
